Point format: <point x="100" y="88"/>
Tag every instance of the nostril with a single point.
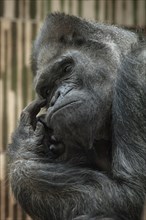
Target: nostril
<point x="55" y="97"/>
<point x="42" y="119"/>
<point x="53" y="139"/>
<point x="52" y="101"/>
<point x="57" y="149"/>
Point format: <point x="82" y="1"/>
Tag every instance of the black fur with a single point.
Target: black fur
<point x="85" y="158"/>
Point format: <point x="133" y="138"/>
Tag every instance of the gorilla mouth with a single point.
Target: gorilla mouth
<point x="54" y="110"/>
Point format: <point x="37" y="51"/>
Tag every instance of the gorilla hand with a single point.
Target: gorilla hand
<point x="31" y="134"/>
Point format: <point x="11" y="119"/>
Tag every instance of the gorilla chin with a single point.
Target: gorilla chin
<point x="85" y="157"/>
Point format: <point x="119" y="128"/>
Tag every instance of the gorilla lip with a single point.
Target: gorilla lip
<point x="53" y="111"/>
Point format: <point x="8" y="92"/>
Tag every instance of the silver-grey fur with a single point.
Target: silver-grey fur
<point x="100" y="71"/>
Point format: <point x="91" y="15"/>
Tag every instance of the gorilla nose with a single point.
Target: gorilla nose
<point x="56" y="147"/>
<point x="60" y="93"/>
<point x="55" y="97"/>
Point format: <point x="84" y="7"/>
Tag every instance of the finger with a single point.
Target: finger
<point x="24" y="126"/>
<point x="39" y="129"/>
<point x="25" y="118"/>
<point x="42" y="118"/>
<point x="34" y="107"/>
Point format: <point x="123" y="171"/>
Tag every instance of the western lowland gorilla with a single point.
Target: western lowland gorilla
<point x="85" y="157"/>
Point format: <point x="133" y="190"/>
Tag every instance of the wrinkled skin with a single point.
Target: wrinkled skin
<point x="68" y="112"/>
<point x="85" y="157"/>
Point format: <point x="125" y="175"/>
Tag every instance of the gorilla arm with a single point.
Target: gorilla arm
<point x="49" y="190"/>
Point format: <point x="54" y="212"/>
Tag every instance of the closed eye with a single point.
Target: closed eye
<point x="64" y="66"/>
<point x="53" y="78"/>
<point x="67" y="68"/>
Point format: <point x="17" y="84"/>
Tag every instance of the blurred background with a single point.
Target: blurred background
<point x="20" y="21"/>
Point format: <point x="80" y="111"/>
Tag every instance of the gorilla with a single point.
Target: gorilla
<point x="83" y="156"/>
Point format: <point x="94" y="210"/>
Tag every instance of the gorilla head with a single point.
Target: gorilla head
<point x="75" y="63"/>
<point x="85" y="158"/>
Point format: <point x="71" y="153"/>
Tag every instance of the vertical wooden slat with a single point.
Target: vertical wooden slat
<point x="28" y="37"/>
<point x="44" y="9"/>
<point x="2" y="189"/>
<point x="2" y="154"/>
<point x="2" y="51"/>
<point x="66" y="6"/>
<point x="62" y="5"/>
<point x="80" y="7"/>
<point x="1" y="82"/>
<point x="135" y="11"/>
<point x="21" y="9"/>
<point x="9" y="8"/>
<point x="10" y="95"/>
<point x="7" y="106"/>
<point x="4" y="104"/>
<point x="75" y="7"/>
<point x="16" y="9"/>
<point x="101" y="13"/>
<point x="141" y="12"/>
<point x="11" y="110"/>
<point x="32" y="7"/>
<point x="113" y="10"/>
<point x="56" y="5"/>
<point x="3" y="120"/>
<point x="96" y="9"/>
<point x="39" y="9"/>
<point x="19" y="212"/>
<point x="12" y="203"/>
<point x="24" y="70"/>
<point x="2" y="166"/>
<point x="88" y="9"/>
<point x="144" y="213"/>
<point x="19" y="99"/>
<point x="109" y="11"/>
<point x="27" y="9"/>
<point x="1" y="114"/>
<point x="119" y="12"/>
<point x="49" y="5"/>
<point x="128" y="18"/>
<point x="70" y="6"/>
<point x="1" y="8"/>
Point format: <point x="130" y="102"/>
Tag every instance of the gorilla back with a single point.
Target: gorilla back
<point x="85" y="158"/>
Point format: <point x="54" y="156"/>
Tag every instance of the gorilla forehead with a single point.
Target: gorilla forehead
<point x="63" y="28"/>
<point x="60" y="32"/>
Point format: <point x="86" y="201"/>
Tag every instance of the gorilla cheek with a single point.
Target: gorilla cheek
<point x="72" y="122"/>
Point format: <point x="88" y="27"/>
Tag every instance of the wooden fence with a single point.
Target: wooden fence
<point x="19" y="24"/>
<point x="122" y="12"/>
<point x="16" y="92"/>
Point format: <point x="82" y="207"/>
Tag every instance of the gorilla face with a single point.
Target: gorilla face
<point x="78" y="93"/>
<point x="75" y="72"/>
